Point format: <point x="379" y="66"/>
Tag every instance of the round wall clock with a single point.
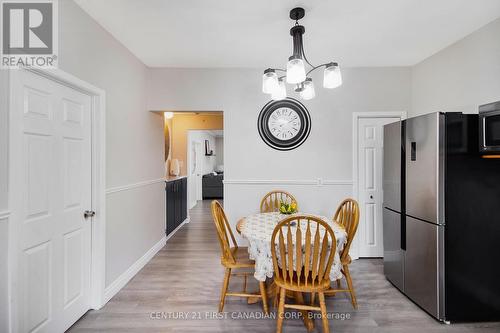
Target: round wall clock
<point x="284" y="124"/>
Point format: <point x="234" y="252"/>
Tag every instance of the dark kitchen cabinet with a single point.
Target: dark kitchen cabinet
<point x="176" y="205"/>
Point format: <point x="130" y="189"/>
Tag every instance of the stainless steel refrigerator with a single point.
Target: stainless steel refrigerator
<point x="438" y="193"/>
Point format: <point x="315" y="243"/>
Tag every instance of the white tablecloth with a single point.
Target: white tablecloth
<point x="258" y="230"/>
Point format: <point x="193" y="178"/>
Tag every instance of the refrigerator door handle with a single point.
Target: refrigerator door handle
<point x="413" y="154"/>
<point x="403" y="232"/>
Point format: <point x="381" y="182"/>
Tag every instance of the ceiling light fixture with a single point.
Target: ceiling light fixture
<point x="295" y="72"/>
<point x="280" y="92"/>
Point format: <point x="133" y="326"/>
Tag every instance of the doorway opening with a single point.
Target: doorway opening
<point x="205" y="165"/>
<point x="194" y="150"/>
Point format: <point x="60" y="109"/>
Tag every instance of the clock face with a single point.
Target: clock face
<point x="284" y="124"/>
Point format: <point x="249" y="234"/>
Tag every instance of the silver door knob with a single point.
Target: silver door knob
<point x="88" y="213"/>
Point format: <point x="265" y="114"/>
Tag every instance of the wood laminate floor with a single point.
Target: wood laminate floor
<point x="178" y="291"/>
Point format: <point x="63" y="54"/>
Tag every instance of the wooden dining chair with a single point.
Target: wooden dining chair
<point x="347" y="215"/>
<point x="272" y="200"/>
<point x="233" y="257"/>
<point x="303" y="265"/>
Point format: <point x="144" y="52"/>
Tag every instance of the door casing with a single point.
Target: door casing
<point x="194" y="182"/>
<point x="355" y="247"/>
<point x="98" y="193"/>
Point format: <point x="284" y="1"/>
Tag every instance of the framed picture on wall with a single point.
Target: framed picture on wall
<point x="208" y="151"/>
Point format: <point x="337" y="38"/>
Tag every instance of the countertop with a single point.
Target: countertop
<point x="172" y="178"/>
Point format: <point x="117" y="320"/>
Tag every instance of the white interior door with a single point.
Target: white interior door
<point x="195" y="176"/>
<point x="53" y="190"/>
<point x="199" y="170"/>
<point x="370" y="195"/>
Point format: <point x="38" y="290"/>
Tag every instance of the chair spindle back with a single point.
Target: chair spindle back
<point x="272" y="200"/>
<point x="347" y="215"/>
<point x="309" y="259"/>
<point x="224" y="231"/>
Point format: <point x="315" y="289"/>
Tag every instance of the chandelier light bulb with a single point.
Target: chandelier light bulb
<point x="269" y="81"/>
<point x="308" y="92"/>
<point x="332" y="77"/>
<point x="280" y="91"/>
<point x="295" y="70"/>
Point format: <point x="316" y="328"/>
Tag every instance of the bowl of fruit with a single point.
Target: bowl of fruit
<point x="288" y="208"/>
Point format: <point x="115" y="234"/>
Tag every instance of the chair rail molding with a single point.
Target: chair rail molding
<point x="315" y="182"/>
<point x="134" y="185"/>
<point x="4" y="214"/>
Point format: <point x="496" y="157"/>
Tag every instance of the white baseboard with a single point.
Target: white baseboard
<point x="126" y="276"/>
<point x="178" y="227"/>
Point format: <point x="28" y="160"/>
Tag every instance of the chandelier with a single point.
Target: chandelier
<point x="295" y="72"/>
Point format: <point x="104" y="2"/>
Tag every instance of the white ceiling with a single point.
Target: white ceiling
<point x="229" y="33"/>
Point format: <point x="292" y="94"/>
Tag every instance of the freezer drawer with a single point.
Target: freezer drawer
<point x="392" y="166"/>
<point x="425" y="167"/>
<point x="393" y="253"/>
<point x="424" y="266"/>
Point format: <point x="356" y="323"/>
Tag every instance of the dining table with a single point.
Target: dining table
<point x="258" y="228"/>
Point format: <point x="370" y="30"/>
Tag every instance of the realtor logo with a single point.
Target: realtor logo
<point x="29" y="33"/>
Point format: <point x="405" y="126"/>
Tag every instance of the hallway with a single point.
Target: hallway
<point x="178" y="291"/>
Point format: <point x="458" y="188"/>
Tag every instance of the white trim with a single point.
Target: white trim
<point x="355" y="247"/>
<point x="190" y="177"/>
<point x="98" y="175"/>
<point x="134" y="185"/>
<point x="317" y="182"/>
<point x="98" y="230"/>
<point x="4" y="214"/>
<point x="126" y="276"/>
<point x="187" y="220"/>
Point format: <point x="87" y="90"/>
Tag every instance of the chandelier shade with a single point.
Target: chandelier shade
<point x="269" y="81"/>
<point x="296" y="72"/>
<point x="280" y="91"/>
<point x="332" y="78"/>
<point x="307" y="92"/>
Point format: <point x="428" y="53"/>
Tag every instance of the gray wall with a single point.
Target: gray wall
<point x="460" y="77"/>
<point x="219" y="148"/>
<point x="4" y="221"/>
<point x="208" y="162"/>
<point x="134" y="138"/>
<point x="327" y="153"/>
<point x="134" y="144"/>
<point x="4" y="135"/>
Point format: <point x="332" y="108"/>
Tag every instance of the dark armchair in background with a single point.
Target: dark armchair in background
<point x="212" y="186"/>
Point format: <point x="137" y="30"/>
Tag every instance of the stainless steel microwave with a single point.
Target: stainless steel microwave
<point x="489" y="128"/>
